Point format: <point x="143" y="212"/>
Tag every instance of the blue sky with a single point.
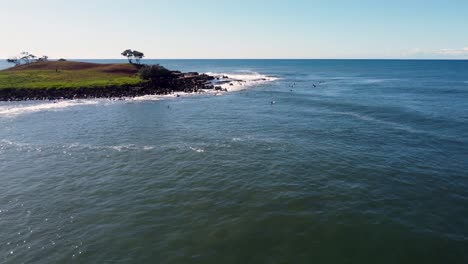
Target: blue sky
<point x="236" y="29"/>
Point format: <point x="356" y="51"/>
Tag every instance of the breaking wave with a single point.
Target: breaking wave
<point x="240" y="80"/>
<point x="229" y="82"/>
<point x="16" y="110"/>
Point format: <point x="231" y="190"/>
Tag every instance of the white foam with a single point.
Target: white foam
<point x="127" y="147"/>
<point x="241" y="80"/>
<point x="157" y="97"/>
<point x="16" y="110"/>
<point x="198" y="150"/>
<point x="4" y="144"/>
<point x="67" y="148"/>
<point x="147" y="98"/>
<point x="119" y="148"/>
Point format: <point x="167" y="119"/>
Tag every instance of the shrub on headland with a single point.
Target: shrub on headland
<point x="154" y="73"/>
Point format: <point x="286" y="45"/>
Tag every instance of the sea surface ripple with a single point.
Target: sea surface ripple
<point x="323" y="161"/>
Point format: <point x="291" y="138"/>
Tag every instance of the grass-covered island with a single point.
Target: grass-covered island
<point x="43" y="79"/>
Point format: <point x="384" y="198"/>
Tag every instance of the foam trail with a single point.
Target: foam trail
<point x="157" y="97"/>
<point x="361" y="80"/>
<point x="16" y="110"/>
<point x="394" y="125"/>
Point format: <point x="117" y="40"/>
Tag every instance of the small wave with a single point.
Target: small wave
<point x="5" y="144"/>
<point x="157" y="97"/>
<point x="147" y="98"/>
<point x="394" y="125"/>
<point x="119" y="148"/>
<point x="362" y="80"/>
<point x="198" y="150"/>
<point x="379" y="121"/>
<point x="371" y="81"/>
<point x="16" y="110"/>
<point x="66" y="148"/>
<point x="129" y="147"/>
<point x="154" y="97"/>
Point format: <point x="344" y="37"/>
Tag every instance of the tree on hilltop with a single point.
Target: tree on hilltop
<point x="133" y="54"/>
<point x="138" y="56"/>
<point x="43" y="58"/>
<point x="129" y="54"/>
<point x="26" y="58"/>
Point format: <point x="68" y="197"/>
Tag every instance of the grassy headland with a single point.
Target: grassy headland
<point x="72" y="80"/>
<point x="69" y="74"/>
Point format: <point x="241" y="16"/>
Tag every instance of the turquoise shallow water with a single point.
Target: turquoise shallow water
<point x="369" y="166"/>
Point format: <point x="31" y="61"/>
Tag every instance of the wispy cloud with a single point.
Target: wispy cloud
<point x="454" y="52"/>
<point x="445" y="53"/>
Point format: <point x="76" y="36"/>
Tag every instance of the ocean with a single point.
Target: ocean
<point x="308" y="161"/>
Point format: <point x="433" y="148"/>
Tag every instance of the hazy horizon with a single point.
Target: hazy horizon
<point x="209" y="29"/>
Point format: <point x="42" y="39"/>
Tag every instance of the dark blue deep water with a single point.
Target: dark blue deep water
<point x="369" y="166"/>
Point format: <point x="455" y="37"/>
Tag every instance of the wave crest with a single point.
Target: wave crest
<point x="15" y="110"/>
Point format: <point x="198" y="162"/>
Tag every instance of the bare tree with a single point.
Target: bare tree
<point x="26" y="58"/>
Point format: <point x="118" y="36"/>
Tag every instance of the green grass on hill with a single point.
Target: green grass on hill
<point x="60" y="75"/>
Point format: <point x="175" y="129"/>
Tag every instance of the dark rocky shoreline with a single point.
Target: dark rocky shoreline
<point x="192" y="82"/>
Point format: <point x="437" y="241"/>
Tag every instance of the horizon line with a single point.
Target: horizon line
<point x="458" y="59"/>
